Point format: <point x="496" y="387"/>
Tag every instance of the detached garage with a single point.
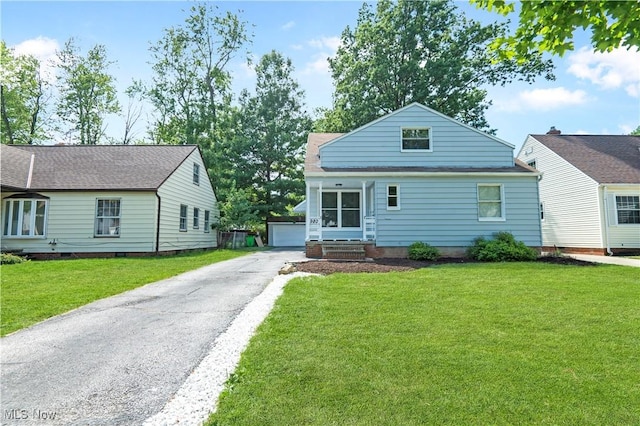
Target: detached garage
<point x="285" y="231"/>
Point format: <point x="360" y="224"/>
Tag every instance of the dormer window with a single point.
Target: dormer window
<point x="416" y="139"/>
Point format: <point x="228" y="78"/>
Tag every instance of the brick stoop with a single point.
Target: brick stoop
<point x="343" y="251"/>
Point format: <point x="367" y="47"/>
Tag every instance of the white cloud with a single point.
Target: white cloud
<point x="542" y="100"/>
<point x="610" y="70"/>
<point x="319" y="65"/>
<point x="288" y="26"/>
<point x="42" y="48"/>
<point x="331" y="43"/>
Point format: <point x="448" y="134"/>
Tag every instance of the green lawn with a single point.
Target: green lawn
<point x="33" y="291"/>
<point x="467" y="344"/>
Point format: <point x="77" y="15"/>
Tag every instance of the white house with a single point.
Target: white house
<point x="414" y="175"/>
<point x="589" y="190"/>
<point x="97" y="200"/>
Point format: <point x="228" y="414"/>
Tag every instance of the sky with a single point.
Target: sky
<point x="593" y="93"/>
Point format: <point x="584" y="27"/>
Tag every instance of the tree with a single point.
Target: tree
<point x="191" y="86"/>
<point x="133" y="111"/>
<point x="549" y="26"/>
<point x="636" y="132"/>
<point x="23" y="98"/>
<point x="238" y="211"/>
<point x="87" y="91"/>
<point x="271" y="135"/>
<point x="419" y="51"/>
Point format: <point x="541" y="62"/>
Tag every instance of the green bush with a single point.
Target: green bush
<point x="10" y="259"/>
<point x="423" y="251"/>
<point x="503" y="248"/>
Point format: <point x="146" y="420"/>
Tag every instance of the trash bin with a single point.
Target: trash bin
<point x="251" y="240"/>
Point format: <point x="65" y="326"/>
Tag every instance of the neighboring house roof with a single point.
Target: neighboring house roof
<point x="604" y="158"/>
<point x="312" y="162"/>
<point x="91" y="167"/>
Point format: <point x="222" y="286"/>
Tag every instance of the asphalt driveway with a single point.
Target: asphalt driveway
<point x="117" y="361"/>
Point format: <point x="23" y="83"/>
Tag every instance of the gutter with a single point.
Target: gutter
<point x="158" y="225"/>
<point x="606" y="219"/>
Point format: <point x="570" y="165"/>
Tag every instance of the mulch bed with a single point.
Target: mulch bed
<point x="325" y="267"/>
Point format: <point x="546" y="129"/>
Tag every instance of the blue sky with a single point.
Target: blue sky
<point x="593" y="93"/>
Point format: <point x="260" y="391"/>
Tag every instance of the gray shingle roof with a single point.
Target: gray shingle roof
<point x="95" y="167"/>
<point x="604" y="158"/>
<point x="14" y="167"/>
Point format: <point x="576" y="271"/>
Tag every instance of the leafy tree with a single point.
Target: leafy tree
<point x="23" y="98"/>
<point x="191" y="86"/>
<point x="549" y="26"/>
<point x="271" y="135"/>
<point x="636" y="132"/>
<point x="87" y="91"/>
<point x="238" y="211"/>
<point x="419" y="51"/>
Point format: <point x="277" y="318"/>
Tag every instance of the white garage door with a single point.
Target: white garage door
<point x="287" y="234"/>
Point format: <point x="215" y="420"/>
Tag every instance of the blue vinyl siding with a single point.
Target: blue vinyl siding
<point x="453" y="145"/>
<point x="444" y="211"/>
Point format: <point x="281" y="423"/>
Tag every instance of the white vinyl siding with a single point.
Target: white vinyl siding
<point x="107" y="217"/>
<point x="573" y="217"/>
<point x="622" y="235"/>
<point x="179" y="189"/>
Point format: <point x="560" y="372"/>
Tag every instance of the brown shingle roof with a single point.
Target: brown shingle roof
<point x="312" y="157"/>
<point x="14" y="167"/>
<point x="604" y="158"/>
<point x="101" y="167"/>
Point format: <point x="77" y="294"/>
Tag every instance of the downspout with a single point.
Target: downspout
<point x="158" y="225"/>
<point x="606" y="219"/>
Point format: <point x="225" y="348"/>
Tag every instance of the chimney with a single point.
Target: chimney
<point x="553" y="131"/>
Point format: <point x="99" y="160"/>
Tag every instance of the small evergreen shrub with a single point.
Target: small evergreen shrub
<point x="10" y="259"/>
<point x="503" y="248"/>
<point x="423" y="251"/>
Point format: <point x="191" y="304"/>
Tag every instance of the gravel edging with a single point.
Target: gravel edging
<point x="197" y="397"/>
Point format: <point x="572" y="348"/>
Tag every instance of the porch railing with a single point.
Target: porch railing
<point x="370" y="228"/>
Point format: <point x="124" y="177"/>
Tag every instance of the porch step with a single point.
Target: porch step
<point x="343" y="251"/>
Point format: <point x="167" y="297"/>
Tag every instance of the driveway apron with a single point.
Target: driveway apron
<point x="119" y="360"/>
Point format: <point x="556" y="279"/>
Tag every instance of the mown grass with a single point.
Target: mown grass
<point x="33" y="291"/>
<point x="472" y="344"/>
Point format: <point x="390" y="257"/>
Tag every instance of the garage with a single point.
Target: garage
<point x="286" y="231"/>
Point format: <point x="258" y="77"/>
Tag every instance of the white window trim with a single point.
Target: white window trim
<point x="196" y="174"/>
<point x="402" y="149"/>
<point x="339" y="208"/>
<point x="207" y="221"/>
<point x="543" y="213"/>
<point x="397" y="206"/>
<point x="615" y="204"/>
<point x="8" y="212"/>
<point x="119" y="217"/>
<point x="196" y="218"/>
<point x="502" y="217"/>
<point x="186" y="218"/>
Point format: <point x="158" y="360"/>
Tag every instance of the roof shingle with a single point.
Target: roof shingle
<point x="604" y="158"/>
<point x="96" y="167"/>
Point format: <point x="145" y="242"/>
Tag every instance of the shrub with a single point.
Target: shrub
<point x="503" y="248"/>
<point x="423" y="251"/>
<point x="10" y="259"/>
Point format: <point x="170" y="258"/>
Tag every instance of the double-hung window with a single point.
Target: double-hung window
<point x="25" y="217"/>
<point x="183" y="217"/>
<point x="490" y="202"/>
<point x="628" y="209"/>
<point x="196" y="218"/>
<point x="416" y="139"/>
<point x="107" y="217"/>
<point x="341" y="209"/>
<point x="196" y="174"/>
<point x="207" y="220"/>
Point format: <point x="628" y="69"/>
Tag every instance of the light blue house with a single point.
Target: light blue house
<point x="414" y="175"/>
